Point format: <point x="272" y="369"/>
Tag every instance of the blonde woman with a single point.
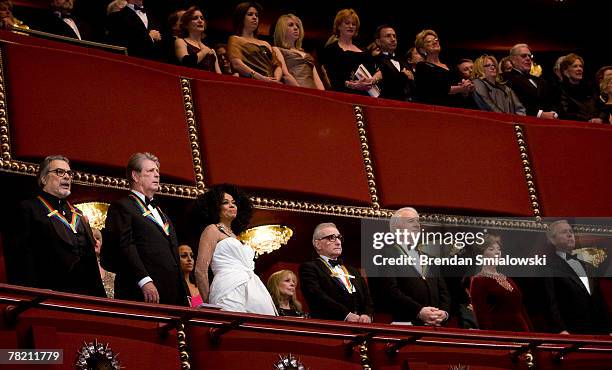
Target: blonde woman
<point x="490" y="93"/>
<point x="282" y="287"/>
<point x="297" y="65"/>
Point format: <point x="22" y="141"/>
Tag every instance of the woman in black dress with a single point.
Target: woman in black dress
<point x="190" y="50"/>
<point x="282" y="287"/>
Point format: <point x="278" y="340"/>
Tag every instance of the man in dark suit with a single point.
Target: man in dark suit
<point x="54" y="246"/>
<point x="415" y="294"/>
<point x="397" y="79"/>
<point x="573" y="296"/>
<point x="140" y="243"/>
<point x="540" y="98"/>
<point x="61" y="21"/>
<point x="137" y="29"/>
<point x="333" y="290"/>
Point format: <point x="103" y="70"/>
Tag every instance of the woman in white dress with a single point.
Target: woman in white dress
<point x="235" y="287"/>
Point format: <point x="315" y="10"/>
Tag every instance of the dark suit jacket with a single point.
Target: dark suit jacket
<point x="136" y="247"/>
<point x="52" y="23"/>
<point x="571" y="306"/>
<point x="126" y="29"/>
<point x="395" y="85"/>
<point x="405" y="292"/>
<point x="327" y="297"/>
<point x="545" y="96"/>
<point x="46" y="254"/>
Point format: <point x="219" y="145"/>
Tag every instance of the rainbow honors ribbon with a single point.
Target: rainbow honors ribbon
<point x="74" y="221"/>
<point x="146" y="212"/>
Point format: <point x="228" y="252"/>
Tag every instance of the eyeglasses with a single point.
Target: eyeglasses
<point x="530" y="56"/>
<point x="60" y="172"/>
<point x="432" y="40"/>
<point x="489" y="65"/>
<point x="333" y="237"/>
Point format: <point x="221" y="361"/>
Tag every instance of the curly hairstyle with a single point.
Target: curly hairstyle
<point x="208" y="207"/>
<point x="273" y="283"/>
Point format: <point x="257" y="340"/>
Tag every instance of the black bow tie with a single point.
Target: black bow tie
<point x="389" y="56"/>
<point x="139" y="7"/>
<point x="152" y="202"/>
<point x="334" y="263"/>
<point x="569" y="256"/>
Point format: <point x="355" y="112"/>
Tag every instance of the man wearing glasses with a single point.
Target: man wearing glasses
<point x="53" y="246"/>
<point x="539" y="98"/>
<point x="333" y="290"/>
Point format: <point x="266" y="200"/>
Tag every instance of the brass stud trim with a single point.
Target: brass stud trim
<point x="181" y="336"/>
<point x="529" y="177"/>
<point x="192" y="132"/>
<point x="364" y="359"/>
<point x="365" y="152"/>
<point x="5" y="137"/>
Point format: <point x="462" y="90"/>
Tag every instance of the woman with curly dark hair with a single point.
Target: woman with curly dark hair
<point x="225" y="212"/>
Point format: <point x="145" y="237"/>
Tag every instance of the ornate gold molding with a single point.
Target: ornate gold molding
<point x="192" y="131"/>
<point x="364" y="360"/>
<point x="365" y="152"/>
<point x="529" y="178"/>
<point x="5" y="142"/>
<point x="181" y="337"/>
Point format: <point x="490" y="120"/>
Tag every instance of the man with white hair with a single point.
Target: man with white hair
<point x="573" y="296"/>
<point x="416" y="294"/>
<point x="334" y="290"/>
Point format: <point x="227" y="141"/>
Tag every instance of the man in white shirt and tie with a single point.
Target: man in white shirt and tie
<point x="396" y="78"/>
<point x="62" y="22"/>
<point x="573" y="295"/>
<point x="137" y="29"/>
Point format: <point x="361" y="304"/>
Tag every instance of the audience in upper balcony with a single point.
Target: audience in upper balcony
<point x="187" y="268"/>
<point x="140" y="243"/>
<point x="249" y="56"/>
<point x="397" y="79"/>
<point x="490" y="92"/>
<point x="53" y="244"/>
<point x="505" y="65"/>
<point x="340" y="58"/>
<point x="298" y="66"/>
<point x="333" y="289"/>
<point x="60" y="21"/>
<point x="224" y="62"/>
<point x="415" y="294"/>
<point x="604" y="100"/>
<point x="224" y="211"/>
<point x="190" y="50"/>
<point x="7" y="20"/>
<point x="537" y="95"/>
<point x="574" y="299"/>
<point x="138" y="30"/>
<point x="577" y="101"/>
<point x="434" y="80"/>
<point x="282" y="286"/>
<point x="412" y="58"/>
<point x="496" y="299"/>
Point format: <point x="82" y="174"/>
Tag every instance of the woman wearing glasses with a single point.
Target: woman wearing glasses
<point x="490" y="92"/>
<point x="432" y="77"/>
<point x="225" y="212"/>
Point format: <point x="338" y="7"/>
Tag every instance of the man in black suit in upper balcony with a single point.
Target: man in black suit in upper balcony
<point x="414" y="293"/>
<point x="61" y="21"/>
<point x="140" y="243"/>
<point x="137" y="29"/>
<point x="539" y="97"/>
<point x="53" y="245"/>
<point x="333" y="290"/>
<point x="573" y="296"/>
<point x="397" y="79"/>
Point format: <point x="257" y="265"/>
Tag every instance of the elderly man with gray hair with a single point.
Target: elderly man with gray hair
<point x="334" y="290"/>
<point x="53" y="245"/>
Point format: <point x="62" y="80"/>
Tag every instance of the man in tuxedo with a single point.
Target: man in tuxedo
<point x="140" y="243"/>
<point x="137" y="29"/>
<point x="539" y="97"/>
<point x="333" y="290"/>
<point x="397" y="79"/>
<point x="53" y="245"/>
<point x="415" y="294"/>
<point x="573" y="296"/>
<point x="61" y="21"/>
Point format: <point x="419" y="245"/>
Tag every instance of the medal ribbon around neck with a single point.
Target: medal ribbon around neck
<point x="74" y="221"/>
<point x="146" y="212"/>
<point x="346" y="281"/>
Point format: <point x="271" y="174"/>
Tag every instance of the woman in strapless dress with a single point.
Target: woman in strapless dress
<point x="190" y="50"/>
<point x="226" y="212"/>
<point x="297" y="65"/>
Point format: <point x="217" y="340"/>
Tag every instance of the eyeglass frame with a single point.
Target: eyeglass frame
<point x="60" y="172"/>
<point x="332" y="238"/>
<point x="526" y="55"/>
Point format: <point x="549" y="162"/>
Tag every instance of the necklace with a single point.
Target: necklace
<point x="500" y="278"/>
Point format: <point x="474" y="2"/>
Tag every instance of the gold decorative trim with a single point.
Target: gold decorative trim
<point x="364" y="360"/>
<point x="181" y="337"/>
<point x="192" y="130"/>
<point x="365" y="152"/>
<point x="5" y="142"/>
<point x="529" y="178"/>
